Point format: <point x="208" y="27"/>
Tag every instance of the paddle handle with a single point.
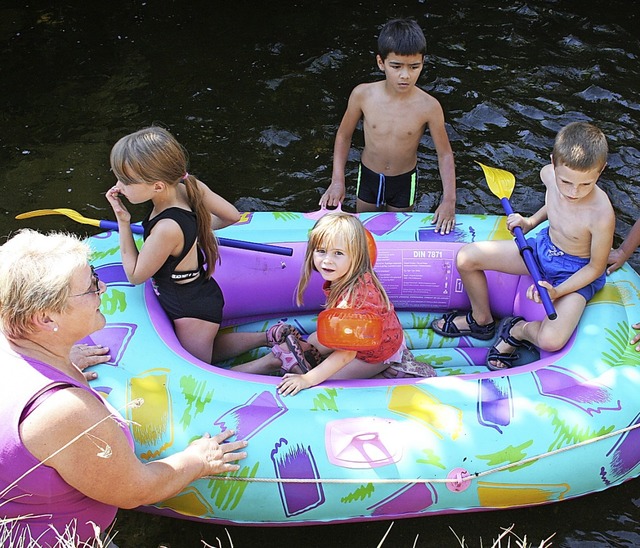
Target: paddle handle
<point x="226" y="242"/>
<point x="112" y="225"/>
<point x="530" y="261"/>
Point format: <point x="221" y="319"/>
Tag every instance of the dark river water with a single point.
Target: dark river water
<point x="256" y="90"/>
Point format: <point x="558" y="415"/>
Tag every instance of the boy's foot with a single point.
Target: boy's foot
<point x="508" y="351"/>
<point x="277" y="333"/>
<point x="447" y="327"/>
<point x="297" y="356"/>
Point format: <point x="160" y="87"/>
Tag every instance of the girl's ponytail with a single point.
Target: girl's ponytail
<point x="206" y="239"/>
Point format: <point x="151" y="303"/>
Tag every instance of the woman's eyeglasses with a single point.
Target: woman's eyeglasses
<point x="96" y="280"/>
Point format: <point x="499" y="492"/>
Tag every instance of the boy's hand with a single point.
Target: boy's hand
<point x="291" y="384"/>
<point x="616" y="260"/>
<point x="534" y="295"/>
<point x="515" y="219"/>
<point x="333" y="196"/>
<point x="444" y="218"/>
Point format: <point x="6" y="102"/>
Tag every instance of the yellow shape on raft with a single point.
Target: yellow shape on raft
<point x="505" y="495"/>
<point x="417" y="404"/>
<point x="189" y="502"/>
<point x="153" y="421"/>
<point x="499" y="231"/>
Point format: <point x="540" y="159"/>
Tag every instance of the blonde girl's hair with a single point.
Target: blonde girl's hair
<point x="35" y="277"/>
<point x="152" y="154"/>
<point x="323" y="235"/>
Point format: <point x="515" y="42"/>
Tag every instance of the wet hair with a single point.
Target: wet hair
<point x="327" y="230"/>
<point x="403" y="37"/>
<point x="580" y="146"/>
<point x="35" y="277"/>
<point x="152" y="154"/>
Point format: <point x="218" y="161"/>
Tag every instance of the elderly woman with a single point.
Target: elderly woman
<point x="66" y="457"/>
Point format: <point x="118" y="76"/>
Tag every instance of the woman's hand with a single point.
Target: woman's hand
<point x="216" y="455"/>
<point x="85" y="355"/>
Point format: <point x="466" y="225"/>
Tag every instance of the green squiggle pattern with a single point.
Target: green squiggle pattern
<point x="568" y="434"/>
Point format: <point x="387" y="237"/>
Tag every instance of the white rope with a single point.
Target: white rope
<point x="460" y="479"/>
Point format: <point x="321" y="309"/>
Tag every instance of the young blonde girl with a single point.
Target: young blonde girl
<point x="180" y="251"/>
<point x="338" y="250"/>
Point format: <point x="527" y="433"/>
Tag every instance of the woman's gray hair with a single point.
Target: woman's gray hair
<point x="35" y="277"/>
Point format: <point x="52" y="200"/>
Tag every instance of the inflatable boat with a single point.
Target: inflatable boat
<point x="469" y="439"/>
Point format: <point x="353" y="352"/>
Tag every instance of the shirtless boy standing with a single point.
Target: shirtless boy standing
<point x="572" y="252"/>
<point x="395" y="113"/>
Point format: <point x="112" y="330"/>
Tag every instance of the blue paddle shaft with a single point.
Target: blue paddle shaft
<point x="226" y="242"/>
<point x="530" y="261"/>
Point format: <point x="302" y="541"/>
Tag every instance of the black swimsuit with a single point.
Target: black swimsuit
<point x="394" y="190"/>
<point x="200" y="298"/>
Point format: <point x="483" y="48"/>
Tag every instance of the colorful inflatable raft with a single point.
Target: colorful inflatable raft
<point x="466" y="440"/>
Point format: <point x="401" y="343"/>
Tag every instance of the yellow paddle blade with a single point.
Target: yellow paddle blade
<point x="60" y="211"/>
<point x="500" y="182"/>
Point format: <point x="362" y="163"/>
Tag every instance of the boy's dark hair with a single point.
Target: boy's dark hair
<point x="403" y="37"/>
<point x="580" y="146"/>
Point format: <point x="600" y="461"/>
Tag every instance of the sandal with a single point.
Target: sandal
<point x="301" y="354"/>
<point x="409" y="367"/>
<point x="277" y="333"/>
<point x="450" y="329"/>
<point x="523" y="351"/>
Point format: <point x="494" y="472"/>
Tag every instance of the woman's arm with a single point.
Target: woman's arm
<point x="101" y="463"/>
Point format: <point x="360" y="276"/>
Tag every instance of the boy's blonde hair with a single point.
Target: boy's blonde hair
<point x="580" y="146"/>
<point x="35" y="277"/>
<point x="323" y="235"/>
<point x="152" y="154"/>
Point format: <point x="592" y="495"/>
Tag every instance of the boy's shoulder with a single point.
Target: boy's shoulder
<point x="603" y="200"/>
<point x="369" y="87"/>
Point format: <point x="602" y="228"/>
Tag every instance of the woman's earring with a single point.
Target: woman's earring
<point x="55" y="329"/>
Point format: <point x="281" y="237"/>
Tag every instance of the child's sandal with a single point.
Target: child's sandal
<point x="301" y="354"/>
<point x="450" y="329"/>
<point x="523" y="351"/>
<point x="277" y="333"/>
<point x="409" y="367"/>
